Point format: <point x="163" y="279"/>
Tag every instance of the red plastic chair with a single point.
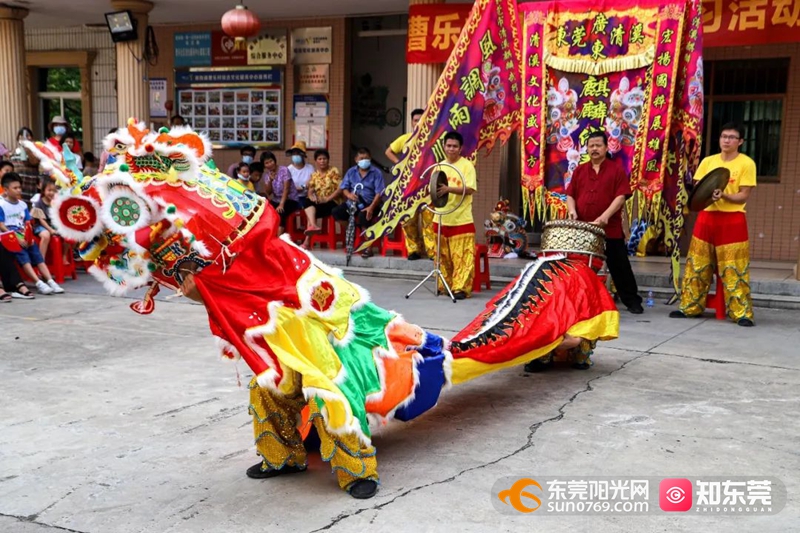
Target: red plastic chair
<point x="329" y="237"/>
<point x="395" y="242"/>
<point x="295" y="226"/>
<point x="481" y="274"/>
<point x="55" y="261"/>
<point x="716" y="301"/>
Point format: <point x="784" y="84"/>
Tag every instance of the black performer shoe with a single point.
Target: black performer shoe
<point x="539" y="365"/>
<point x="636" y="309"/>
<point x="581" y="366"/>
<point x="255" y="471"/>
<point x="679" y="314"/>
<point x="363" y="489"/>
<point x="460" y="295"/>
<point x="746" y="323"/>
<point x="414" y="257"/>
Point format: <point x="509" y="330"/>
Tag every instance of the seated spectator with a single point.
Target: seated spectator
<point x="12" y="285"/>
<point x="322" y="187"/>
<point x="14" y="216"/>
<point x="42" y="226"/>
<point x="176" y="120"/>
<point x="363" y="185"/>
<point x="248" y="153"/>
<point x="89" y="164"/>
<point x="26" y="165"/>
<point x="243" y="176"/>
<point x="60" y="127"/>
<point x="5" y="168"/>
<point x="256" y="173"/>
<point x="279" y="189"/>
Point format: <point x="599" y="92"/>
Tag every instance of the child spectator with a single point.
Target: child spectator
<point x="243" y="176"/>
<point x="5" y="168"/>
<point x="256" y="173"/>
<point x="89" y="164"/>
<point x="14" y="215"/>
<point x="40" y="212"/>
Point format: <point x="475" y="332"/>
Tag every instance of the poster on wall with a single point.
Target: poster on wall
<point x="224" y="52"/>
<point x="312" y="79"/>
<point x="269" y="48"/>
<point x="311" y="120"/>
<point x="192" y="49"/>
<point x="158" y="97"/>
<point x="233" y="106"/>
<point x="312" y="45"/>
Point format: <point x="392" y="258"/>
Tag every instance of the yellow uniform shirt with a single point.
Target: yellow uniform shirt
<point x="462" y="215"/>
<point x="400" y="143"/>
<point x="743" y="174"/>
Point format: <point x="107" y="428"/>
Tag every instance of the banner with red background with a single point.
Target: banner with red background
<point x="749" y="22"/>
<point x="433" y="30"/>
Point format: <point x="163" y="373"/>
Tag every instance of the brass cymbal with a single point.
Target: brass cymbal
<point x="701" y="196"/>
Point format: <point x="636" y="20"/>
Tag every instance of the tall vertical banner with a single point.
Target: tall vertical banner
<point x="631" y="69"/>
<point x="478" y="95"/>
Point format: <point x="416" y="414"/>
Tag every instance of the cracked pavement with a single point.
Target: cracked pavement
<point x="112" y="422"/>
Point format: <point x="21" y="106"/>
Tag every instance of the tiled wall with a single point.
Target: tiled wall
<point x="338" y="107"/>
<point x="104" y="70"/>
<point x="773" y="211"/>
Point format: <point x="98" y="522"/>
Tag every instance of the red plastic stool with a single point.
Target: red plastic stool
<point x="716" y="301"/>
<point x="55" y="261"/>
<point x="328" y="238"/>
<point x="481" y="275"/>
<point x="295" y="227"/>
<point x="395" y="242"/>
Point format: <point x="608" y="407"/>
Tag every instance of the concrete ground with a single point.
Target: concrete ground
<point x="112" y="422"/>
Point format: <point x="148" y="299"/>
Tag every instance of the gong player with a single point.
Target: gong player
<point x="596" y="194"/>
<point x="719" y="240"/>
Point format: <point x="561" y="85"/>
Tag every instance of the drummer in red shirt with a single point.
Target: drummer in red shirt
<point x="596" y="194"/>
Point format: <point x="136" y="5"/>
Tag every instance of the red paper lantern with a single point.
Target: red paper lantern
<point x="240" y="23"/>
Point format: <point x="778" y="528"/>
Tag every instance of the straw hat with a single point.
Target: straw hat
<point x="58" y="119"/>
<point x="299" y="146"/>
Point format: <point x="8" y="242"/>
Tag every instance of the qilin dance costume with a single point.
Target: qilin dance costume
<point x="314" y="341"/>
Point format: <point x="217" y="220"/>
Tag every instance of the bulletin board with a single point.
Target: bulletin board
<point x="311" y="120"/>
<point x="235" y="112"/>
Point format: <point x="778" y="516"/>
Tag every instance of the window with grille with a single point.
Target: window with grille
<point x="750" y="93"/>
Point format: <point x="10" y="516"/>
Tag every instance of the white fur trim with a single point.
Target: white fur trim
<point x="225" y="346"/>
<point x="201" y="248"/>
<point x="114" y="288"/>
<point x="51" y="166"/>
<point x="69" y="233"/>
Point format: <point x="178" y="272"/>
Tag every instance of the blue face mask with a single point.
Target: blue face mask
<point x="247" y="159"/>
<point x="59" y="130"/>
<point x="242" y="178"/>
<point x="297" y="159"/>
<point x="364" y="164"/>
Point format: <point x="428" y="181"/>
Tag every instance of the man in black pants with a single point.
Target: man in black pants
<point x="596" y="194"/>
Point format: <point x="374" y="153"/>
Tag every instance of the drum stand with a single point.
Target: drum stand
<point x="436" y="273"/>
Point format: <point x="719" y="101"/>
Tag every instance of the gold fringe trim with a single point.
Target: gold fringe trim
<point x="606" y="66"/>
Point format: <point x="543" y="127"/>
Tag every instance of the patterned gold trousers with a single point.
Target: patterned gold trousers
<point x="719" y="244"/>
<point x="419" y="235"/>
<point x="458" y="259"/>
<point x="278" y="441"/>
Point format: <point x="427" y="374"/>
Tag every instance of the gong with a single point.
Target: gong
<point x="438" y="179"/>
<point x="701" y="196"/>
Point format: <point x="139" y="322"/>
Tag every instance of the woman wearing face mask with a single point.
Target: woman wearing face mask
<point x="301" y="175"/>
<point x="26" y="165"/>
<point x="279" y="188"/>
<point x="60" y="127"/>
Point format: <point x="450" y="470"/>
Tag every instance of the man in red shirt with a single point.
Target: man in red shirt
<point x="596" y="194"/>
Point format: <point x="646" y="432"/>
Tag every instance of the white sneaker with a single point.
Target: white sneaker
<point x="56" y="288"/>
<point x="21" y="296"/>
<point x="43" y="287"/>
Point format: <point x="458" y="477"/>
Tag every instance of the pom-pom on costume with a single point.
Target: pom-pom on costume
<point x="315" y="342"/>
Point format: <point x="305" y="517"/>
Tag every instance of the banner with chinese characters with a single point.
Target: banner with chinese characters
<point x="632" y="69"/>
<point x="749" y="22"/>
<point x="478" y="95"/>
<point x="433" y="30"/>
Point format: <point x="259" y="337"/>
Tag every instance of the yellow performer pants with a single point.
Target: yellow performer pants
<point x="719" y="243"/>
<point x="278" y="441"/>
<point x="458" y="259"/>
<point x="420" y="241"/>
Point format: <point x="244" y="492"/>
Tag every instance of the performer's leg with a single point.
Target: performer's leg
<point x="428" y="235"/>
<point x="733" y="265"/>
<point x="581" y="355"/>
<point x="446" y="264"/>
<point x="462" y="256"/>
<point x="275" y="428"/>
<point x="355" y="464"/>
<point x="414" y="244"/>
<point x="621" y="272"/>
<point x="700" y="266"/>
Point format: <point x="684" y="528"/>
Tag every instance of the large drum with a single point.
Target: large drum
<point x="581" y="241"/>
